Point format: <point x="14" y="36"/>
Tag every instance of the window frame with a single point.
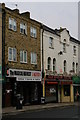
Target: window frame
<point x="74" y="50"/>
<point x="24" y="27"/>
<point x="73" y="67"/>
<point x="32" y="34"/>
<point x="13" y="24"/>
<point x="12" y="54"/>
<point x="65" y="66"/>
<point x="49" y="64"/>
<point x="23" y="56"/>
<point x="66" y="89"/>
<point x="33" y="53"/>
<point x="64" y="47"/>
<point x="50" y="42"/>
<point x="54" y="64"/>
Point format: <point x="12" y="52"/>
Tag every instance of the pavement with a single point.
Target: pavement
<point x="13" y="110"/>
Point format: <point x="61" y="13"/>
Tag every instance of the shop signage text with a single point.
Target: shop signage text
<point x="58" y="77"/>
<point x="25" y="75"/>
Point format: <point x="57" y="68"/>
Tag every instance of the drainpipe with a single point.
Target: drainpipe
<point x="43" y="76"/>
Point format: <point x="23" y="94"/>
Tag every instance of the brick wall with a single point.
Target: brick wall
<point x="16" y="40"/>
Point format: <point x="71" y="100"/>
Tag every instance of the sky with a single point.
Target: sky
<point x="52" y="14"/>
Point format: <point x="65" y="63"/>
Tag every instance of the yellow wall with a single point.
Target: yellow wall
<point x="67" y="98"/>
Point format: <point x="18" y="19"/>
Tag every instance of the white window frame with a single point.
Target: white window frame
<point x="23" y="56"/>
<point x="13" y="24"/>
<point x="12" y="54"/>
<point x="33" y="32"/>
<point x="32" y="61"/>
<point x="50" y="42"/>
<point x="23" y="26"/>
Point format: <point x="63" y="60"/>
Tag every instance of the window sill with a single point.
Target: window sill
<point x="34" y="63"/>
<point x="74" y="54"/>
<point x="12" y="30"/>
<point x="23" y="34"/>
<point x="33" y="37"/>
<point x="23" y="62"/>
<point x="12" y="61"/>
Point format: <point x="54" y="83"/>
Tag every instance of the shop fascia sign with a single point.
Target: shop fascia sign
<point x="24" y="75"/>
<point x="59" y="77"/>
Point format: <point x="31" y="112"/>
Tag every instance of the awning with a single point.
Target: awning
<point x="76" y="79"/>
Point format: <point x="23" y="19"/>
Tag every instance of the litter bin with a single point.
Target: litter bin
<point x="42" y="100"/>
<point x="19" y="101"/>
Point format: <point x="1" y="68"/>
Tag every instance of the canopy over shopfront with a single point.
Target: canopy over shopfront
<point x="76" y="79"/>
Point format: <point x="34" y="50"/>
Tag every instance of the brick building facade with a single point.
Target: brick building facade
<point x="21" y="57"/>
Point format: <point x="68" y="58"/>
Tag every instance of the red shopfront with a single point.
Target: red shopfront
<point x="51" y="89"/>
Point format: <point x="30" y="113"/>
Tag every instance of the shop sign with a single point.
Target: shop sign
<point x="27" y="79"/>
<point x="58" y="77"/>
<point x="25" y="75"/>
<point x="65" y="82"/>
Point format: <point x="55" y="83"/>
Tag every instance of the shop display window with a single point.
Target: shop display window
<point x="66" y="90"/>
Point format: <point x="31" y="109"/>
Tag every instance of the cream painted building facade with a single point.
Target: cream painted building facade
<point x="59" y="57"/>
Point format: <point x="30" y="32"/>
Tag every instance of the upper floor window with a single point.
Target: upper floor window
<point x="74" y="50"/>
<point x="33" y="58"/>
<point x="50" y="42"/>
<point x="23" y="56"/>
<point x="65" y="66"/>
<point x="12" y="54"/>
<point x="64" y="40"/>
<point x="76" y="67"/>
<point x="49" y="63"/>
<point x="64" y="47"/>
<point x="23" y="28"/>
<point x="54" y="64"/>
<point x="73" y="67"/>
<point x="12" y="24"/>
<point x="33" y="32"/>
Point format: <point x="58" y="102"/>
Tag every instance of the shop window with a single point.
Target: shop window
<point x="49" y="63"/>
<point x="33" y="58"/>
<point x="33" y="32"/>
<point x="23" y="56"/>
<point x="66" y="90"/>
<point x="12" y="24"/>
<point x="23" y="28"/>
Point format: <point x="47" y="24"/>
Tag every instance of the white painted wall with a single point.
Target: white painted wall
<point x="58" y="46"/>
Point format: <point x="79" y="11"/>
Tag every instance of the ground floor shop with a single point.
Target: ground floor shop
<point x="28" y="86"/>
<point x="58" y="89"/>
<point x="76" y="87"/>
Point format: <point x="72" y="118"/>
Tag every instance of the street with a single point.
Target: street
<point x="60" y="112"/>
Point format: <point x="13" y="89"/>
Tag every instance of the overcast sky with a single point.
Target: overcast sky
<point x="52" y="14"/>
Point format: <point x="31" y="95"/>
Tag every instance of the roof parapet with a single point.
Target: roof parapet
<point x="16" y="11"/>
<point x="26" y="14"/>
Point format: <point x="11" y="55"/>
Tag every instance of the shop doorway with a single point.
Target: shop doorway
<point x="51" y="93"/>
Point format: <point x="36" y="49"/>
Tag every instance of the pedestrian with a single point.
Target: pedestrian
<point x="77" y="95"/>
